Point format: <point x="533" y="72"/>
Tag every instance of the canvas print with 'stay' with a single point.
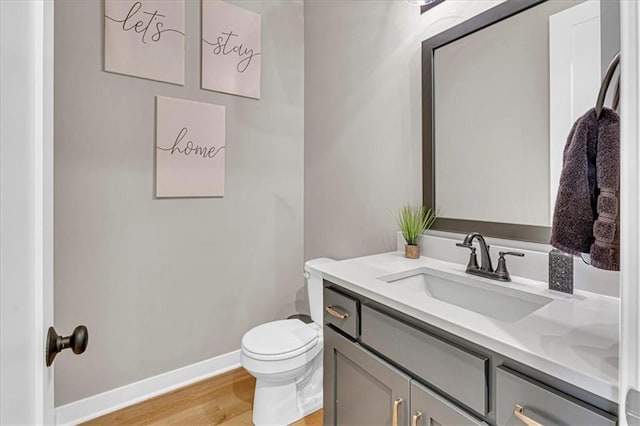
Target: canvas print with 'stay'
<point x="231" y="49"/>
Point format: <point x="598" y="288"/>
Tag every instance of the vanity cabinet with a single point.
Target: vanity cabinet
<point x="450" y="368"/>
<point x="540" y="403"/>
<point x="430" y="409"/>
<point x="384" y="368"/>
<point x="360" y="388"/>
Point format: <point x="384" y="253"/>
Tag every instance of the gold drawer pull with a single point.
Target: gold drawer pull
<point x="416" y="418"/>
<point x="336" y="313"/>
<point x="519" y="413"/>
<point x="396" y="408"/>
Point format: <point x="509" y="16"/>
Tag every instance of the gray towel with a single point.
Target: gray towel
<point x="586" y="218"/>
<point x="575" y="208"/>
<point x="605" y="250"/>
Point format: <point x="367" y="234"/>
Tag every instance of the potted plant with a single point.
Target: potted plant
<point x="413" y="221"/>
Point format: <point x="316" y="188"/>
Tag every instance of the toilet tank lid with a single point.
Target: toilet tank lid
<point x="317" y="261"/>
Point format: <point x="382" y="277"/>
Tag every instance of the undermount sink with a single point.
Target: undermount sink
<point x="496" y="301"/>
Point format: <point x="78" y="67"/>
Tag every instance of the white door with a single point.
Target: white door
<point x="26" y="213"/>
<point x="574" y="77"/>
<point x="629" y="399"/>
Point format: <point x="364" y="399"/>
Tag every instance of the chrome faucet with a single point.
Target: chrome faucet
<point x="486" y="269"/>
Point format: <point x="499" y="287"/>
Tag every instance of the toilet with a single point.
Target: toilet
<point x="285" y="357"/>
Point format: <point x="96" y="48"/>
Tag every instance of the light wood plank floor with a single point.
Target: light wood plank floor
<point x="222" y="400"/>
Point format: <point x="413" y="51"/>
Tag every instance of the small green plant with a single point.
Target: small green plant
<point x="413" y="221"/>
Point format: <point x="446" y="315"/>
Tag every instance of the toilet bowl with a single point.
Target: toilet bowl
<point x="285" y="357"/>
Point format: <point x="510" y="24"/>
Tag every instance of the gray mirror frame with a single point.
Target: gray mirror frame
<point x="427" y="7"/>
<point x="538" y="234"/>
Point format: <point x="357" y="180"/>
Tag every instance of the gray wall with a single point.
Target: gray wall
<point x="363" y="119"/>
<point x="610" y="31"/>
<point x="162" y="284"/>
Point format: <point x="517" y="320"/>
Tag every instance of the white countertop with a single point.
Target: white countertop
<point x="573" y="338"/>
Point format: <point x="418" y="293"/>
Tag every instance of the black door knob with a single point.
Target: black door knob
<point x="77" y="341"/>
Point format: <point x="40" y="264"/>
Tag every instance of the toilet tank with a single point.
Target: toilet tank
<point x="314" y="288"/>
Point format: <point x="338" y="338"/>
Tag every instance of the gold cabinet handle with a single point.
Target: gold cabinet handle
<point x="519" y="413"/>
<point x="336" y="313"/>
<point x="396" y="411"/>
<point x="416" y="418"/>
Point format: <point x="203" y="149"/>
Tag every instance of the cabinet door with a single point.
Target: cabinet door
<point x="430" y="409"/>
<point x="516" y="392"/>
<point x="359" y="388"/>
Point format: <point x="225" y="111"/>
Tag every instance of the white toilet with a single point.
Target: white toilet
<point x="285" y="357"/>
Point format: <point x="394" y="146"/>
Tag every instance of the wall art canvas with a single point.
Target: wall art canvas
<point x="145" y="38"/>
<point x="190" y="148"/>
<point x="231" y="49"/>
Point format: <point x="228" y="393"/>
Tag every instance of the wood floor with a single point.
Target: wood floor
<point x="222" y="400"/>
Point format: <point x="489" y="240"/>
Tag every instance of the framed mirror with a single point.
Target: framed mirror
<point x="500" y="94"/>
<point x="430" y="5"/>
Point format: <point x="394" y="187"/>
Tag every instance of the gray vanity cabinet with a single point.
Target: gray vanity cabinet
<point x="430" y="409"/>
<point x="449" y="368"/>
<point x="359" y="388"/>
<point x="362" y="389"/>
<point x="383" y="368"/>
<point x="519" y="398"/>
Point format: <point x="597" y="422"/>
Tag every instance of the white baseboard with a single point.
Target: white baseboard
<point x="115" y="399"/>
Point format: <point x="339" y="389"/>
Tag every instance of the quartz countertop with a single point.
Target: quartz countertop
<point x="573" y="338"/>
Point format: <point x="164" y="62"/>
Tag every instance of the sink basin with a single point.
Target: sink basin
<point x="496" y="301"/>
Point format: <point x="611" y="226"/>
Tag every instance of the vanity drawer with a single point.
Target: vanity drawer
<point x="455" y="371"/>
<point x="341" y="311"/>
<point x="541" y="403"/>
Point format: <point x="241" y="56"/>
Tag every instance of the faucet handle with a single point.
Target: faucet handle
<point x="510" y="253"/>
<point x="473" y="259"/>
<point x="501" y="270"/>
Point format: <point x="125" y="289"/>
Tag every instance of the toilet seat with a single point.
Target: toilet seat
<point x="286" y="359"/>
<point x="280" y="340"/>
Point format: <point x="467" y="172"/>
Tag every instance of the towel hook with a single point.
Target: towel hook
<point x="606" y="81"/>
<point x="616" y="96"/>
